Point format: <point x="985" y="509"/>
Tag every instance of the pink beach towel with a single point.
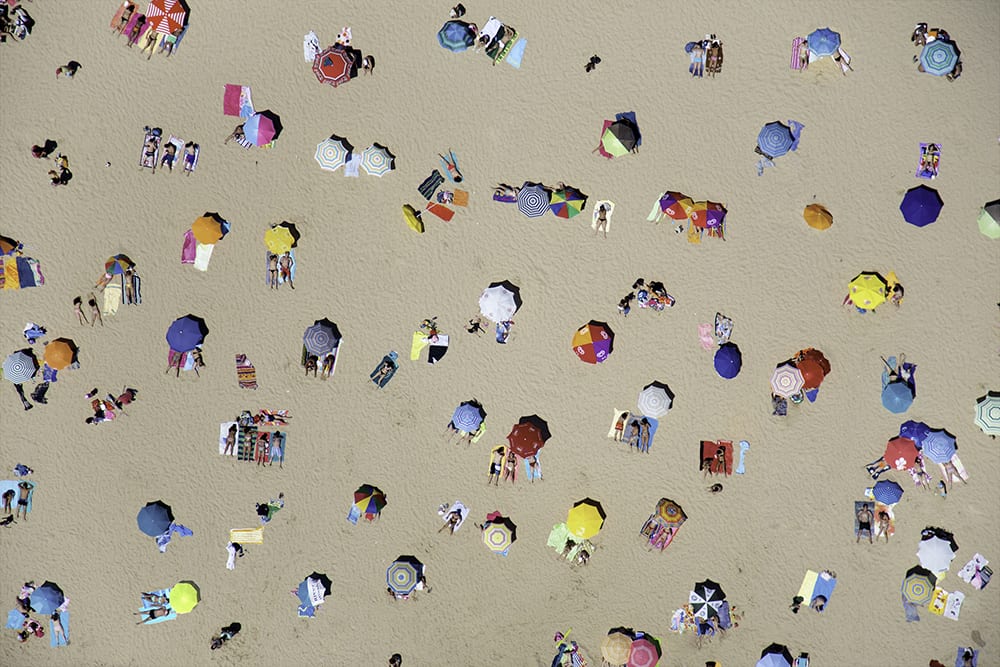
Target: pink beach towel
<point x="796" y="49"/>
<point x="231" y="100"/>
<point x="190" y="248"/>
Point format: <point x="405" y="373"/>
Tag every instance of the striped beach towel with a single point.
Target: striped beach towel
<point x="246" y="374"/>
<point x="430" y="184"/>
<point x="796" y="53"/>
<point x="245" y="443"/>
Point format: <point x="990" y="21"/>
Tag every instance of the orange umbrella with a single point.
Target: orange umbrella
<point x="60" y="353"/>
<point x="209" y="228"/>
<point x="817" y="217"/>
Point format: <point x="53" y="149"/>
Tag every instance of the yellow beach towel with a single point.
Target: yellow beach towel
<point x="420" y="341"/>
<point x="112" y="299"/>
<point x="247" y="535"/>
<point x="808" y="584"/>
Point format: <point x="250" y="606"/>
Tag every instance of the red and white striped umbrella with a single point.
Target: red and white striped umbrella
<point x="166" y="16"/>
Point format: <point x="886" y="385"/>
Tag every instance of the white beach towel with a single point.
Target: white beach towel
<point x="610" y="205"/>
<point x="223" y="433"/>
<point x="465" y="514"/>
<point x="977" y="563"/>
<point x="203" y="255"/>
<point x="351" y="166"/>
<point x="310" y="46"/>
<point x="953" y="607"/>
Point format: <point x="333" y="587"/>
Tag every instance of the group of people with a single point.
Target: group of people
<point x="325" y="370"/>
<point x="104" y="409"/>
<point x="639" y="434"/>
<point x="61" y="175"/>
<point x="653" y="295"/>
<point x="139" y="26"/>
<point x="279" y="264"/>
<point x="706" y="56"/>
<point x="866" y="518"/>
<point x="32" y="628"/>
<point x="922" y="35"/>
<point x="15" y="22"/>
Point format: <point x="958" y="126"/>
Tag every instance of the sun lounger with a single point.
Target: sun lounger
<point x="64" y="621"/>
<point x="149" y="158"/>
<point x="247" y="535"/>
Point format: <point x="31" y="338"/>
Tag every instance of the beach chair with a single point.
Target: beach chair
<point x="150" y="155"/>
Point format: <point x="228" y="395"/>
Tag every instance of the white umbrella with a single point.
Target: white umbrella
<point x="655" y="400"/>
<point x="935" y="554"/>
<point x="500" y="301"/>
<point x="787" y="380"/>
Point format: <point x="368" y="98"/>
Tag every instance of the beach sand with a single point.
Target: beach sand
<point x="780" y="281"/>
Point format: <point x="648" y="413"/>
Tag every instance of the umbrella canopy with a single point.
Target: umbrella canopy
<point x="900" y="453"/>
<point x="46" y="598"/>
<point x="155" y="518"/>
<point x="817" y="217"/>
<point x="812" y="354"/>
<point x="707" y="214"/>
<point x="644" y="652"/>
<point x="528" y="436"/>
<point x="413" y="219"/>
<point x="775" y="655"/>
<point x="369" y="499"/>
<point x="655" y="399"/>
<point x="184" y="597"/>
<point x="823" y="42"/>
<point x="775" y="139"/>
<point x="209" y="228"/>
<point x="377" y="160"/>
<point x="787" y="380"/>
<point x="620" y="137"/>
<point x="314" y="589"/>
<point x="670" y="512"/>
<point x="118" y="264"/>
<point x="279" y="239"/>
<point x="404" y="575"/>
<point x="333" y="65"/>
<point x="60" y="353"/>
<point x="533" y="199"/>
<point x="586" y="518"/>
<point x="8" y="246"/>
<point x="918" y="586"/>
<point x="186" y="333"/>
<point x="20" y="366"/>
<point x="262" y="128"/>
<point x="456" y="36"/>
<point x="921" y="206"/>
<point x="897" y="397"/>
<point x="594" y="342"/>
<point x="989" y="219"/>
<point x="939" y="57"/>
<point x="887" y="492"/>
<point x="333" y="153"/>
<point x="728" y="361"/>
<point x="938" y="446"/>
<point x="676" y="205"/>
<point x="915" y="431"/>
<point x="468" y="416"/>
<point x="567" y="201"/>
<point x="936" y="553"/>
<point x="812" y="373"/>
<point x="321" y="338"/>
<point x="166" y="16"/>
<point x="988" y="413"/>
<point x="616" y="647"/>
<point x="500" y="301"/>
<point x="706" y="599"/>
<point x="499" y="534"/>
<point x="868" y="290"/>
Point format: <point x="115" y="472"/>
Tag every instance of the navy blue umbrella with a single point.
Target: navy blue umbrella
<point x="915" y="431"/>
<point x="897" y="397"/>
<point x="46" y="598"/>
<point x="728" y="361"/>
<point x="775" y="139"/>
<point x="155" y="518"/>
<point x="187" y="333"/>
<point x="921" y="206"/>
<point x="887" y="492"/>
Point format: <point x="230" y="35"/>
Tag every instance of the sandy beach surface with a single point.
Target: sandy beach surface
<point x="780" y="281"/>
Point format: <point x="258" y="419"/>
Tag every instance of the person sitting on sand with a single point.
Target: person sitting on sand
<point x="583" y="557"/>
<point x="368" y="64"/>
<point x="328" y="364"/>
<point x="311" y="362"/>
<point x="45" y="150"/>
<point x="237" y="135"/>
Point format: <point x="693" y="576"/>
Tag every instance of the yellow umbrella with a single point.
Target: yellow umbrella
<point x="868" y="290"/>
<point x="616" y="647"/>
<point x="586" y="518"/>
<point x="208" y="228"/>
<point x="817" y="216"/>
<point x="60" y="353"/>
<point x="184" y="597"/>
<point x="413" y="219"/>
<point x="279" y="239"/>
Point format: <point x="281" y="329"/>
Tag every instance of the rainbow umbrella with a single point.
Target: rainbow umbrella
<point x="676" y="205"/>
<point x="586" y="518"/>
<point x="118" y="264"/>
<point x="671" y="512"/>
<point x="868" y="289"/>
<point x="594" y="342"/>
<point x="707" y="214"/>
<point x="369" y="499"/>
<point x="567" y="202"/>
<point x="8" y="246"/>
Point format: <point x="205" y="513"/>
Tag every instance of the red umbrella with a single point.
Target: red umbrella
<point x="333" y="66"/>
<point x="528" y="436"/>
<point x="815" y="355"/>
<point x="812" y="373"/>
<point x="901" y="453"/>
<point x="166" y="16"/>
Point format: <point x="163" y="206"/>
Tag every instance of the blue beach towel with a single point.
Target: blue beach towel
<point x="823" y="587"/>
<point x="527" y="469"/>
<point x="64" y="619"/>
<point x="958" y="657"/>
<point x="517" y="53"/>
<point x="796" y="128"/>
<point x="354" y="515"/>
<point x="146" y="606"/>
<point x="15" y="620"/>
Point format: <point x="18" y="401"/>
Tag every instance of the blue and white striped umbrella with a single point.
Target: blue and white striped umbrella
<point x="823" y="42"/>
<point x="468" y="416"/>
<point x="377" y="160"/>
<point x="533" y="200"/>
<point x="775" y="139"/>
<point x="939" y="446"/>
<point x="20" y="366"/>
<point x="333" y="153"/>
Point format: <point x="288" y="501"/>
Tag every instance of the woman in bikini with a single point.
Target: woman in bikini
<point x="272" y="270"/>
<point x="602" y="221"/>
<point x="126" y="16"/>
<point x="238" y="136"/>
<point x="644" y="435"/>
<point x="133" y="36"/>
<point x="509" y="465"/>
<point x="77" y="308"/>
<point x="633" y="434"/>
<point x="230" y="448"/>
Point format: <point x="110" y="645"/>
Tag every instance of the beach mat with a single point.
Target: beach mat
<point x="708" y="448"/>
<point x="516" y="53"/>
<point x="441" y="211"/>
<point x="430" y="184"/>
<point x="189" y="248"/>
<point x="928" y="168"/>
<point x="460" y="198"/>
<point x="64" y="619"/>
<point x="113" y="295"/>
<point x="438" y="348"/>
<point x="247" y="535"/>
<point x="236" y="101"/>
<point x="420" y="341"/>
<point x="246" y="439"/>
<point x="963" y="475"/>
<point x="246" y="374"/>
<point x="824" y="586"/>
<point x="796" y="51"/>
<point x="808" y="584"/>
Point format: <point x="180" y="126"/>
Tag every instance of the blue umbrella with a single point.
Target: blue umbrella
<point x="468" y="416"/>
<point x="897" y="397"/>
<point x="728" y="361"/>
<point x="775" y="139"/>
<point x="155" y="518"/>
<point x="186" y="333"/>
<point x="823" y="42"/>
<point x="915" y="431"/>
<point x="887" y="492"/>
<point x="46" y="598"/>
<point x="939" y="446"/>
<point x="939" y="57"/>
<point x="456" y="36"/>
<point x="533" y="199"/>
<point x="921" y="205"/>
<point x="775" y="655"/>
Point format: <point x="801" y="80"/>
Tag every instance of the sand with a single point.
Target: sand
<point x="780" y="281"/>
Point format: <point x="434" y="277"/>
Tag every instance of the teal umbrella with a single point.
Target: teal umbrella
<point x="939" y="57"/>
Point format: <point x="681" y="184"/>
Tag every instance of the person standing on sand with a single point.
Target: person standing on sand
<point x="865" y="517"/>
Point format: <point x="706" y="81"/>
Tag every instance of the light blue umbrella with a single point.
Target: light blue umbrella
<point x="46" y="598"/>
<point x="887" y="492"/>
<point x="468" y="416"/>
<point x="939" y="446"/>
<point x="939" y="57"/>
<point x="823" y="42"/>
<point x="775" y="139"/>
<point x="897" y="397"/>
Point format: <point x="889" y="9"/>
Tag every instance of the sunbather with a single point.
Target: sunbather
<point x="311" y="362"/>
<point x="285" y="266"/>
<point x="236" y="135"/>
<point x="169" y="155"/>
<point x="383" y="371"/>
<point x="509" y="466"/>
<point x="150" y="44"/>
<point x="277" y="449"/>
<point x="77" y="308"/>
<point x="865" y="517"/>
<point x="149" y="151"/>
<point x="496" y="464"/>
<point x="633" y="434"/>
<point x="133" y="36"/>
<point x="644" y="435"/>
<point x="230" y="447"/>
<point x="883" y="525"/>
<point x="151" y="614"/>
<point x="328" y="364"/>
<point x="451" y="164"/>
<point x="697" y="67"/>
<point x="451" y="521"/>
<point x="58" y="631"/>
<point x="129" y="8"/>
<point x="272" y="271"/>
<point x="190" y="156"/>
<point x="368" y="64"/>
<point x="602" y="221"/>
<point x="804" y="55"/>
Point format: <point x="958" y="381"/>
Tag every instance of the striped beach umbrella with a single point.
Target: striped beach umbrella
<point x="377" y="160"/>
<point x="60" y="353"/>
<point x="166" y="16"/>
<point x="186" y="333"/>
<point x="938" y="446"/>
<point x="262" y="127"/>
<point x="918" y="585"/>
<point x="499" y="534"/>
<point x="118" y="264"/>
<point x="594" y="342"/>
<point x="468" y="416"/>
<point x="787" y="380"/>
<point x="500" y="301"/>
<point x="655" y="400"/>
<point x="707" y="214"/>
<point x="644" y="652"/>
<point x="939" y="57"/>
<point x="404" y="575"/>
<point x="20" y="366"/>
<point x="333" y="153"/>
<point x="921" y="206"/>
<point x="775" y="139"/>
<point x="567" y="202"/>
<point x="533" y="199"/>
<point x="321" y="337"/>
<point x="333" y="65"/>
<point x="988" y="413"/>
<point x="887" y="492"/>
<point x="823" y="42"/>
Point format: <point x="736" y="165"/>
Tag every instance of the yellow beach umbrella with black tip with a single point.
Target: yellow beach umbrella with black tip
<point x="817" y="217"/>
<point x="412" y="217"/>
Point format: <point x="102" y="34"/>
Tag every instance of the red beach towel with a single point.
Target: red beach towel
<point x="231" y="100"/>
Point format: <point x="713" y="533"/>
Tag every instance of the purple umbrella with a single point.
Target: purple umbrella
<point x="728" y="361"/>
<point x="921" y="206"/>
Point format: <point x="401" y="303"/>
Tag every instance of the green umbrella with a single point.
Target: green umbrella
<point x="989" y="219"/>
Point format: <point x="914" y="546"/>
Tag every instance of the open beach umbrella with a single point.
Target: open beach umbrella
<point x="279" y="239"/>
<point x="262" y="127"/>
<point x="707" y="214"/>
<point x="817" y="217"/>
<point x="728" y="361"/>
<point x="868" y="289"/>
<point x="210" y="228"/>
<point x="500" y="301"/>
<point x="900" y="453"/>
<point x="314" y="589"/>
<point x="321" y="337"/>
<point x="369" y="499"/>
<point x="812" y="371"/>
<point x="676" y="205"/>
<point x="936" y="553"/>
<point x="938" y="57"/>
<point x="787" y="380"/>
<point x="670" y="512"/>
<point x="155" y="518"/>
<point x="528" y="436"/>
<point x="823" y="42"/>
<point x="620" y="137"/>
<point x="897" y="397"/>
<point x="918" y="586"/>
<point x="775" y="655"/>
<point x="644" y="652"/>
<point x="586" y="518"/>
<point x="887" y="492"/>
<point x="456" y="36"/>
<point x="915" y="431"/>
<point x="8" y="246"/>
<point x="412" y="218"/>
<point x="333" y="65"/>
<point x="499" y="534"/>
<point x="616" y="646"/>
<point x="166" y="16"/>
<point x="988" y="413"/>
<point x="812" y="354"/>
<point x="46" y="598"/>
<point x="706" y="599"/>
<point x="468" y="416"/>
<point x="333" y="153"/>
<point x="989" y="219"/>
<point x="533" y="199"/>
<point x="20" y="366"/>
<point x="655" y="399"/>
<point x="184" y="597"/>
<point x="377" y="160"/>
<point x="186" y="333"/>
<point x="567" y="201"/>
<point x="594" y="342"/>
<point x="921" y="205"/>
<point x="404" y="575"/>
<point x="775" y="139"/>
<point x="938" y="446"/>
<point x="118" y="264"/>
<point x="60" y="353"/>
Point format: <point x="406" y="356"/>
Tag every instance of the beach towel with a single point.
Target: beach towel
<point x="708" y="449"/>
<point x="247" y="535"/>
<point x="744" y="447"/>
<point x="441" y="211"/>
<point x="911" y="610"/>
<point x="927" y="165"/>
<point x="246" y="374"/>
<point x="958" y="657"/>
<point x="310" y="46"/>
<point x="136" y="289"/>
<point x="189" y="249"/>
<point x="796" y="128"/>
<point x="808" y="585"/>
<point x="533" y="474"/>
<point x="464" y="513"/>
<point x="824" y="587"/>
<point x="610" y="206"/>
<point x="430" y="185"/>
<point x="656" y="213"/>
<point x="203" y="255"/>
<point x="503" y="332"/>
<point x="64" y="620"/>
<point x="977" y="572"/>
<point x="460" y="198"/>
<point x="516" y="53"/>
<point x="236" y="101"/>
<point x="389" y="359"/>
<point x="113" y="295"/>
<point x="723" y="328"/>
<point x="438" y="348"/>
<point x="796" y="53"/>
<point x="705" y="336"/>
<point x="28" y="273"/>
<point x="354" y="514"/>
<point x="953" y="605"/>
<point x="246" y="440"/>
<point x="763" y="164"/>
<point x="11" y="485"/>
<point x="879" y="507"/>
<point x="962" y="474"/>
<point x="163" y="539"/>
<point x="15" y="620"/>
<point x="352" y="165"/>
<point x="131" y="24"/>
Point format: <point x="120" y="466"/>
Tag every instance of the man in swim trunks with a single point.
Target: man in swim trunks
<point x="865" y="517"/>
<point x="285" y="264"/>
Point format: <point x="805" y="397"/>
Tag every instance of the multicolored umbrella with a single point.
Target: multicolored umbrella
<point x="166" y="16"/>
<point x="333" y="65"/>
<point x="60" y="353"/>
<point x="468" y="416"/>
<point x="620" y="137"/>
<point x="46" y="599"/>
<point x="321" y="338"/>
<point x="279" y="239"/>
<point x="528" y="436"/>
<point x="155" y="518"/>
<point x="728" y="360"/>
<point x="937" y="551"/>
<point x="918" y="586"/>
<point x="938" y="446"/>
<point x="670" y="512"/>
<point x="184" y="597"/>
<point x="262" y="127"/>
<point x="499" y="534"/>
<point x="404" y="575"/>
<point x="567" y="201"/>
<point x="988" y="413"/>
<point x="377" y="160"/>
<point x="594" y="342"/>
<point x="897" y="397"/>
<point x="9" y="246"/>
<point x="456" y="36"/>
<point x="369" y="499"/>
<point x="823" y="42"/>
<point x="118" y="264"/>
<point x="586" y="518"/>
<point x="775" y="655"/>
<point x="901" y="453"/>
<point x="655" y="399"/>
<point x="817" y="217"/>
<point x="500" y="301"/>
<point x="989" y="219"/>
<point x="787" y="380"/>
<point x="707" y="214"/>
<point x="210" y="228"/>
<point x="887" y="492"/>
<point x="333" y="153"/>
<point x="186" y="333"/>
<point x="939" y="57"/>
<point x="533" y="199"/>
<point x="644" y="652"/>
<point x="20" y="366"/>
<point x="706" y="599"/>
<point x="616" y="646"/>
<point x="921" y="205"/>
<point x="676" y="205"/>
<point x="775" y="139"/>
<point x="868" y="290"/>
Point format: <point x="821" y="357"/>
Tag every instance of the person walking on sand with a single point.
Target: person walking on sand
<point x="68" y="70"/>
<point x="95" y="311"/>
<point x="77" y="308"/>
<point x="865" y="517"/>
<point x="285" y="265"/>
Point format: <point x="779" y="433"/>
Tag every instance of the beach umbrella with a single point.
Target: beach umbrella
<point x="921" y="205"/>
<point x="184" y="597"/>
<point x="670" y="512"/>
<point x="8" y="246"/>
<point x="262" y="127"/>
<point x="321" y="338"/>
<point x="989" y="219"/>
<point x="166" y="16"/>
<point x="817" y="217"/>
<point x="936" y="553"/>
<point x="404" y="575"/>
<point x="676" y="205"/>
<point x="655" y="399"/>
<point x="369" y="499"/>
<point x="616" y="647"/>
<point x="706" y="599"/>
<point x="333" y="153"/>
<point x="60" y="353"/>
<point x="533" y="199"/>
<point x="775" y="139"/>
<point x="456" y="36"/>
<point x="644" y="652"/>
<point x="897" y="397"/>
<point x="728" y="361"/>
<point x="939" y="57"/>
<point x="567" y="201"/>
<point x="594" y="342"/>
<point x="812" y="371"/>
<point x="775" y="655"/>
<point x="620" y="137"/>
<point x="812" y="354"/>
<point x="186" y="333"/>
<point x="46" y="598"/>
<point x="155" y="518"/>
<point x="868" y="290"/>
<point x="209" y="228"/>
<point x="823" y="42"/>
<point x="314" y="589"/>
<point x="20" y="366"/>
<point x="468" y="416"/>
<point x="377" y="160"/>
<point x="918" y="586"/>
<point x="499" y="534"/>
<point x="707" y="214"/>
<point x="500" y="301"/>
<point x="887" y="492"/>
<point x="118" y="264"/>
<point x="333" y="65"/>
<point x="528" y="436"/>
<point x="412" y="218"/>
<point x="938" y="446"/>
<point x="988" y="413"/>
<point x="915" y="431"/>
<point x="787" y="380"/>
<point x="900" y="453"/>
<point x="586" y="518"/>
<point x="279" y="239"/>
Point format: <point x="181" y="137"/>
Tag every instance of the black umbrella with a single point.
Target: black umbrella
<point x="626" y="132"/>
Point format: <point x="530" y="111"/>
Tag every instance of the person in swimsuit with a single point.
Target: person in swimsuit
<point x="126" y="16"/>
<point x="719" y="460"/>
<point x="496" y="464"/>
<point x="633" y="434"/>
<point x="169" y="154"/>
<point x="272" y="270"/>
<point x="620" y="426"/>
<point x="150" y="45"/>
<point x="509" y="466"/>
<point x="230" y="448"/>
<point x="190" y="155"/>
<point x="644" y="435"/>
<point x="328" y="364"/>
<point x="602" y="220"/>
<point x="277" y="449"/>
<point x="451" y="521"/>
<point x="23" y="491"/>
<point x="151" y="614"/>
<point x="285" y="265"/>
<point x="311" y="362"/>
<point x="8" y="500"/>
<point x="697" y="61"/>
<point x="865" y="517"/>
<point x="451" y="163"/>
<point x="133" y="36"/>
<point x="237" y="135"/>
<point x="58" y="631"/>
<point x="883" y="525"/>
